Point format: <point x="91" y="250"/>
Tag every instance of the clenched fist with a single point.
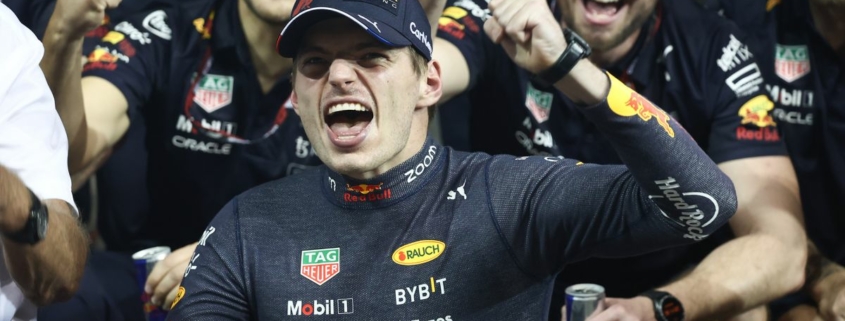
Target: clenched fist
<point x="80" y="16"/>
<point x="528" y="32"/>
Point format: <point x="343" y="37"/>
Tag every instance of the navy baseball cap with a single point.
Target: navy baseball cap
<point x="396" y="23"/>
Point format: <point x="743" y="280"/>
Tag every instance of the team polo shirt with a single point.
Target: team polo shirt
<point x="693" y="64"/>
<point x="806" y="80"/>
<point x="450" y="235"/>
<point x="193" y="95"/>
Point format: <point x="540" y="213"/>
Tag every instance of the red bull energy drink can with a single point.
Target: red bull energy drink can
<point x="145" y="260"/>
<point x="583" y="301"/>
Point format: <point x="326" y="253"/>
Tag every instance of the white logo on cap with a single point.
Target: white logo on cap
<point x="375" y="24"/>
<point x="421" y="36"/>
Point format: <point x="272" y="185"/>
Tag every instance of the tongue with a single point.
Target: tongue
<point x="349" y="128"/>
<point x="608" y="9"/>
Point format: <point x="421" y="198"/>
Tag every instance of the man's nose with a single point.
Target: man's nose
<point x="342" y="73"/>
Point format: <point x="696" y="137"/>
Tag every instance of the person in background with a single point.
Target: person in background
<point x="801" y="48"/>
<point x="43" y="247"/>
<point x="696" y="66"/>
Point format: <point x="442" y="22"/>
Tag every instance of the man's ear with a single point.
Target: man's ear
<point x="432" y="87"/>
<point x="294" y="100"/>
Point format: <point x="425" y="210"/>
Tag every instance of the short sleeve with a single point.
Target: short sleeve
<point x="130" y="54"/>
<point x="742" y="125"/>
<point x="462" y="25"/>
<point x="33" y="142"/>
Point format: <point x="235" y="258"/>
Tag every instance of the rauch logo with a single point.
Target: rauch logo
<point x="418" y="252"/>
<point x="320" y="265"/>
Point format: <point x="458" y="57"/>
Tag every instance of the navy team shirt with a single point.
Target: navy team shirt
<point x="194" y="142"/>
<point x="692" y="63"/>
<point x="451" y="235"/>
<point x="806" y="80"/>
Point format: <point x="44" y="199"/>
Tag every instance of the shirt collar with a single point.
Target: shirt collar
<point x="389" y="188"/>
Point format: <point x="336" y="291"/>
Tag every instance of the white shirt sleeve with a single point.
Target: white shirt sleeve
<point x="33" y="143"/>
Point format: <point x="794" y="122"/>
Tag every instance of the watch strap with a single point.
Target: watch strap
<point x="659" y="300"/>
<point x="30" y="233"/>
<point x="576" y="49"/>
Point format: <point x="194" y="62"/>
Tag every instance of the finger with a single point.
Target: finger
<point x="180" y="256"/>
<point x="168" y="301"/>
<point x="509" y="45"/>
<point x="518" y="27"/>
<point x="111" y="4"/>
<point x="170" y="282"/>
<point x="494" y="30"/>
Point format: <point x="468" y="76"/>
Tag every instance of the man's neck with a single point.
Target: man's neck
<point x="607" y="58"/>
<point x="829" y="22"/>
<point x="260" y="36"/>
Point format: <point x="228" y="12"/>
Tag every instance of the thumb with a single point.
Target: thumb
<point x="111" y="4"/>
<point x="563" y="313"/>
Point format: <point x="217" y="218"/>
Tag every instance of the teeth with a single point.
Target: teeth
<point x="346" y="107"/>
<point x="606" y="1"/>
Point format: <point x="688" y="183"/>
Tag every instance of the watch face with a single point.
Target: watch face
<point x="41" y="224"/>
<point x="672" y="309"/>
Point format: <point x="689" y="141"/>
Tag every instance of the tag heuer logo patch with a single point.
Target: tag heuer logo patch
<point x="214" y="92"/>
<point x="539" y="103"/>
<point x="320" y="265"/>
<point x="792" y="62"/>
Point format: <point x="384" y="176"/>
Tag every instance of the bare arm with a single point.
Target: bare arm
<point x="766" y="259"/>
<point x="92" y="110"/>
<point x="51" y="269"/>
<point x="433" y="9"/>
<point x="454" y="70"/>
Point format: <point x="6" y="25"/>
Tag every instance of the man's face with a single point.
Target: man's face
<point x="359" y="100"/>
<point x="275" y="12"/>
<point x="605" y="24"/>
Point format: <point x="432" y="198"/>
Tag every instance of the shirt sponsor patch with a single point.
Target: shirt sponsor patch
<point x="418" y="252"/>
<point x="320" y="265"/>
<point x="179" y="295"/>
<point x="214" y="92"/>
<point x="156" y="23"/>
<point x="626" y="103"/>
<point x="745" y="81"/>
<point x="792" y="62"/>
<point x="539" y="103"/>
<point x="756" y="123"/>
<point x="733" y="54"/>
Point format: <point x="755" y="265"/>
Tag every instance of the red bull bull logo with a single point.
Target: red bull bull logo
<point x="756" y="112"/>
<point x="101" y="59"/>
<point x="366" y="192"/>
<point x="449" y="22"/>
<point x="626" y="103"/>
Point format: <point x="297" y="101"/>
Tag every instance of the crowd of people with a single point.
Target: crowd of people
<point x="423" y="159"/>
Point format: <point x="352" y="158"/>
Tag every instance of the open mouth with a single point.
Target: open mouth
<point x="347" y="121"/>
<point x="602" y="11"/>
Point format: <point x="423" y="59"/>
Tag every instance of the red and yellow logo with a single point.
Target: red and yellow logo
<point x="625" y="102"/>
<point x="364" y="189"/>
<point x="101" y="55"/>
<point x="113" y="37"/>
<point x="418" y="252"/>
<point x="756" y="112"/>
<point x="179" y="296"/>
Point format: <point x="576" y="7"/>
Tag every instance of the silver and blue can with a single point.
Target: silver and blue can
<point x="145" y="261"/>
<point x="583" y="300"/>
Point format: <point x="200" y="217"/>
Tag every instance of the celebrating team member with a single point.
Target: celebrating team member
<point x="395" y="226"/>
<point x="696" y="66"/>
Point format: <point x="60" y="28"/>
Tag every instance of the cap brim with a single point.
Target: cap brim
<point x="291" y="36"/>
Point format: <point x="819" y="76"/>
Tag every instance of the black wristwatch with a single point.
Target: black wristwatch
<point x="666" y="306"/>
<point x="35" y="228"/>
<point x="576" y="49"/>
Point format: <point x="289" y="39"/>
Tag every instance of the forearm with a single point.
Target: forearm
<point x="739" y="275"/>
<point x="62" y="66"/>
<point x="51" y="269"/>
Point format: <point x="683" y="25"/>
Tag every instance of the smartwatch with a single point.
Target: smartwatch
<point x="35" y="228"/>
<point x="576" y="49"/>
<point x="666" y="306"/>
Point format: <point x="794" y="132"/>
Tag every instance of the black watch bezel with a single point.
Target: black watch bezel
<point x="35" y="228"/>
<point x="666" y="306"/>
<point x="576" y="49"/>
